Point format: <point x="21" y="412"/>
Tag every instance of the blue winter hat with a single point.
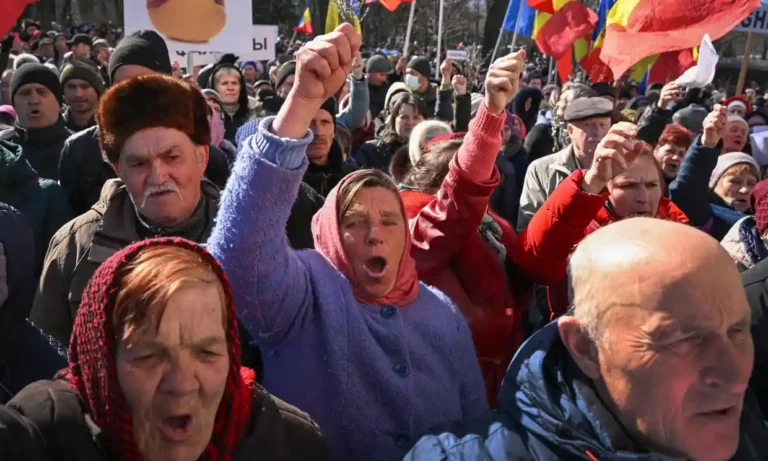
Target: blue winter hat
<point x="249" y="63"/>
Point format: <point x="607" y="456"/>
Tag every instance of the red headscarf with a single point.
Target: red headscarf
<point x="93" y="375"/>
<point x="325" y="229"/>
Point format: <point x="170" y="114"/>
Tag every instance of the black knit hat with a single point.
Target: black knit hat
<point x="36" y="73"/>
<point x="330" y="106"/>
<point x="421" y="65"/>
<point x="77" y="70"/>
<point x="142" y="48"/>
<point x="286" y="70"/>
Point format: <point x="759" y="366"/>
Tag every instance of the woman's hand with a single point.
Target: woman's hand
<point x="714" y="126"/>
<point x="671" y="92"/>
<point x="503" y="80"/>
<point x="322" y="66"/>
<point x="613" y="156"/>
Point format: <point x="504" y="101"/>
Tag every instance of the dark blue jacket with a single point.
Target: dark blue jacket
<point x="550" y="411"/>
<point x="690" y="191"/>
<point x="26" y="355"/>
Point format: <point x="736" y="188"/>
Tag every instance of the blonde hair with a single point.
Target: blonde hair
<point x="362" y="179"/>
<point x="422" y="134"/>
<point x="738" y="169"/>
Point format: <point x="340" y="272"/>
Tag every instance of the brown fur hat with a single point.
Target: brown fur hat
<point x="148" y="102"/>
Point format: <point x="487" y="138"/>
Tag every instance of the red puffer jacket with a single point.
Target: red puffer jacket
<point x="451" y="255"/>
<point x="568" y="215"/>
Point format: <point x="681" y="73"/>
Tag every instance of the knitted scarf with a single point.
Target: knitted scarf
<point x="92" y="371"/>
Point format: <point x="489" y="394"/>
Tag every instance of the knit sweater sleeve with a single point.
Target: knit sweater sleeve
<point x="270" y="283"/>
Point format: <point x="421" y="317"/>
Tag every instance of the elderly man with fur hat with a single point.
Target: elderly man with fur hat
<point x="155" y="134"/>
<point x="82" y="171"/>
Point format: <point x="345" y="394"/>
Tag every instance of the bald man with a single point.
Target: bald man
<point x="652" y="362"/>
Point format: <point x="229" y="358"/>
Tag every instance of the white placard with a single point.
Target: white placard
<point x="456" y="55"/>
<point x="205" y="26"/>
<point x="703" y="72"/>
<point x="262" y="48"/>
<point x="757" y="22"/>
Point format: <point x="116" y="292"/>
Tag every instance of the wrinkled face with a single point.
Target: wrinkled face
<point x="228" y="86"/>
<point x="80" y="95"/>
<point x="637" y="191"/>
<point x="377" y="78"/>
<point x="677" y="361"/>
<point x="669" y="156"/>
<point x="36" y="106"/>
<point x="174" y="379"/>
<point x="423" y="81"/>
<point x="81" y="51"/>
<point x="323" y="128"/>
<point x="735" y="188"/>
<point x="373" y="234"/>
<point x="406" y="120"/>
<point x="127" y="71"/>
<point x="737" y="109"/>
<point x="5" y="89"/>
<point x="286" y="86"/>
<point x="586" y="135"/>
<point x="61" y="44"/>
<point x="162" y="169"/>
<point x="251" y="74"/>
<point x="735" y="137"/>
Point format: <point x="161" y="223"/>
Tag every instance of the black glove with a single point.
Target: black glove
<point x="6" y="44"/>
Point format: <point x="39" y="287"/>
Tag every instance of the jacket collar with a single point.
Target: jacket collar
<point x="40" y="137"/>
<point x="565" y="161"/>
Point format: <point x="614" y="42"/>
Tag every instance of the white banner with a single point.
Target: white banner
<point x="456" y="55"/>
<point x="193" y="25"/>
<point x="756" y="22"/>
<point x="262" y="48"/>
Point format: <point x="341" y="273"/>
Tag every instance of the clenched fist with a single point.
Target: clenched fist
<point x="613" y="156"/>
<point x="714" y="126"/>
<point x="503" y="80"/>
<point x="323" y="65"/>
<point x="459" y="84"/>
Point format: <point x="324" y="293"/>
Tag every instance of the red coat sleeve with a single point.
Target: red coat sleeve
<point x="440" y="229"/>
<point x="543" y="248"/>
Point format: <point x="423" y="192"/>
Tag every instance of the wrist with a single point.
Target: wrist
<point x="591" y="185"/>
<point x="295" y="117"/>
<point x="493" y="108"/>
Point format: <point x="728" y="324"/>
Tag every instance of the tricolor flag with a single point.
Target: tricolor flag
<point x="593" y="65"/>
<point x="305" y="24"/>
<point x="391" y="5"/>
<point x="10" y="10"/>
<point x="332" y="20"/>
<point x="637" y="29"/>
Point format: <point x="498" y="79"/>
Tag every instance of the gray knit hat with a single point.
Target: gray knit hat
<point x="726" y="161"/>
<point x="421" y="65"/>
<point x="378" y="64"/>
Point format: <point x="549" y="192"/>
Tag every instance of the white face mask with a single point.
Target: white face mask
<point x="412" y="81"/>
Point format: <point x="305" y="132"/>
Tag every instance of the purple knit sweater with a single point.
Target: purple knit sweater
<point x="374" y="378"/>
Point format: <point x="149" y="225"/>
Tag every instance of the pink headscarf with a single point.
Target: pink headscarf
<point x="325" y="229"/>
<point x="217" y="129"/>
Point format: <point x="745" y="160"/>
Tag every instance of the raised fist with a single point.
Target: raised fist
<point x="358" y="67"/>
<point x="459" y="84"/>
<point x="402" y="63"/>
<point x="615" y="153"/>
<point x="671" y="92"/>
<point x="323" y="64"/>
<point x="446" y="69"/>
<point x="503" y="80"/>
<point x="714" y="126"/>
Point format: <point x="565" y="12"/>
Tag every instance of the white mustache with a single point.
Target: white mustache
<point x="164" y="187"/>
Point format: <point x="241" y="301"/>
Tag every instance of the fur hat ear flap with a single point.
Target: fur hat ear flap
<point x="151" y="101"/>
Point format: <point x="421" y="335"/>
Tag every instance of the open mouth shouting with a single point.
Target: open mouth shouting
<point x="375" y="267"/>
<point x="177" y="428"/>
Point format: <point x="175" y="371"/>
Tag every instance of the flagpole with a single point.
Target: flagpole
<point x="408" y="31"/>
<point x="439" y="39"/>
<point x="293" y="39"/>
<point x="551" y="74"/>
<point x="744" y="65"/>
<point x="501" y="31"/>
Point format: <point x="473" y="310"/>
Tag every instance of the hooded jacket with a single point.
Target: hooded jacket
<point x="26" y="355"/>
<point x="550" y="411"/>
<point x="42" y="201"/>
<point x="529" y="115"/>
<point x="41" y="146"/>
<point x="246" y="106"/>
<point x="377" y="153"/>
<point x="323" y="178"/>
<point x="247" y="420"/>
<point x="390" y="369"/>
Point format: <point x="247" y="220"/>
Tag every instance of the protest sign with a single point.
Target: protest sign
<point x="262" y="48"/>
<point x="756" y="22"/>
<point x="456" y="55"/>
<point x="193" y="26"/>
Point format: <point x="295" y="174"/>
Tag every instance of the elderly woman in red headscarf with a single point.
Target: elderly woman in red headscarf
<point x="155" y="371"/>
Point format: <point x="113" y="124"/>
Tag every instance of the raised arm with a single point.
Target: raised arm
<point x="270" y="284"/>
<point x="440" y="228"/>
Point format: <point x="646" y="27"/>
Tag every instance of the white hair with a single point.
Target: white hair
<point x="25" y="58"/>
<point x="422" y="134"/>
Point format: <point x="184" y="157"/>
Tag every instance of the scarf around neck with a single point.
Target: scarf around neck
<point x="327" y="236"/>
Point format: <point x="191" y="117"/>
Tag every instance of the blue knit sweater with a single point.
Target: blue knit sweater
<point x="374" y="378"/>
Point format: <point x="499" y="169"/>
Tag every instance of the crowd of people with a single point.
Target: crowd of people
<point x="333" y="256"/>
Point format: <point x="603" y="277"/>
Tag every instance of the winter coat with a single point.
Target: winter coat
<point x="455" y="248"/>
<point x="353" y="115"/>
<point x="374" y="360"/>
<point x="20" y="439"/>
<point x="568" y="215"/>
<point x="70" y="122"/>
<point x="528" y="116"/>
<point x="26" y="355"/>
<point x="42" y="201"/>
<point x="79" y="247"/>
<point x="745" y="244"/>
<point x="376" y="96"/>
<point x="276" y="431"/>
<point x="84" y="171"/>
<point x="541" y="179"/>
<point x="755" y="283"/>
<point x="439" y="102"/>
<point x="323" y="178"/>
<point x="539" y="142"/>
<point x="377" y="153"/>
<point x="41" y="146"/>
<point x="246" y="105"/>
<point x="505" y="199"/>
<point x="690" y="191"/>
<point x="652" y="123"/>
<point x="462" y="112"/>
<point x="549" y="410"/>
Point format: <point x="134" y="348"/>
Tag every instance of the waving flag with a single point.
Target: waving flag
<point x="592" y="64"/>
<point x="10" y="10"/>
<point x="305" y="24"/>
<point x="556" y="33"/>
<point x="391" y="5"/>
<point x="637" y="29"/>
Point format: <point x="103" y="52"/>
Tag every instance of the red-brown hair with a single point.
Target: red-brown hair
<point x="676" y="135"/>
